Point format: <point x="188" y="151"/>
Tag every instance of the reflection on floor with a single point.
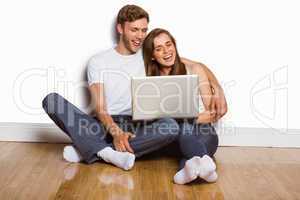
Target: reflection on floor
<point x="37" y="171"/>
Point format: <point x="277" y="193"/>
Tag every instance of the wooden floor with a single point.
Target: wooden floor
<point x="37" y="171"/>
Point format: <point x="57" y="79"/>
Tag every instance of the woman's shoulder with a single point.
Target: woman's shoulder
<point x="193" y="67"/>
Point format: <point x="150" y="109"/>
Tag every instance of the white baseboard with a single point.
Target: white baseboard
<point x="32" y="132"/>
<point x="259" y="137"/>
<point x="239" y="136"/>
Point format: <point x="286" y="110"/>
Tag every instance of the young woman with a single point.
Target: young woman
<point x="198" y="140"/>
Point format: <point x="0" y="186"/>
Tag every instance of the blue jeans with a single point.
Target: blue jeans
<point x="193" y="140"/>
<point x="89" y="135"/>
<point x="196" y="140"/>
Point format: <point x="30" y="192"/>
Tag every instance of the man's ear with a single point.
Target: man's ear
<point x="119" y="28"/>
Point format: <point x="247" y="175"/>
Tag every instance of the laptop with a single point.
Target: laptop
<point x="155" y="97"/>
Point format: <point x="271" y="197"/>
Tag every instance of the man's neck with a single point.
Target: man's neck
<point x="121" y="49"/>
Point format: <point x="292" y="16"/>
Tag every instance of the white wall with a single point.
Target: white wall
<point x="250" y="45"/>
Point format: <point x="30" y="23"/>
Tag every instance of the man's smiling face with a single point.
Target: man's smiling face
<point x="133" y="34"/>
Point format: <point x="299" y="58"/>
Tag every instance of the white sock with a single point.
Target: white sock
<point x="203" y="167"/>
<point x="190" y="171"/>
<point x="206" y="166"/>
<point x="212" y="177"/>
<point x="124" y="160"/>
<point x="70" y="154"/>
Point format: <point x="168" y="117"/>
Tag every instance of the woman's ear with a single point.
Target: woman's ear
<point x="152" y="58"/>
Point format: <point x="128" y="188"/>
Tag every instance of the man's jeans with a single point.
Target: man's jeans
<point x="89" y="136"/>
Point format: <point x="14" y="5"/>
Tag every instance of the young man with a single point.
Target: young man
<point x="109" y="83"/>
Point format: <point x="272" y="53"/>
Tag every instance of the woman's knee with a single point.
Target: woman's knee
<point x="212" y="141"/>
<point x="208" y="131"/>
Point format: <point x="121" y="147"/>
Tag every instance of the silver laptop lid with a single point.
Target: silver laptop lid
<point x="175" y="96"/>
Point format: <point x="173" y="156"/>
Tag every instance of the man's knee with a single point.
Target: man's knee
<point x="50" y="102"/>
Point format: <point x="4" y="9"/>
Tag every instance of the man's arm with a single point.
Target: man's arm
<point x="209" y="114"/>
<point x="120" y="139"/>
<point x="218" y="101"/>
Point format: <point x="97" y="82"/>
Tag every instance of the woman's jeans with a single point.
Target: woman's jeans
<point x="193" y="140"/>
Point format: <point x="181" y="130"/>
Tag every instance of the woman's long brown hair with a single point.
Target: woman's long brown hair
<point x="152" y="67"/>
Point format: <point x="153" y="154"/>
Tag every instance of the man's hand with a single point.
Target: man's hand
<point x="218" y="103"/>
<point x="121" y="143"/>
<point x="218" y="107"/>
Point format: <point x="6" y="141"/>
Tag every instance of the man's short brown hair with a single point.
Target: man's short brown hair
<point x="130" y="13"/>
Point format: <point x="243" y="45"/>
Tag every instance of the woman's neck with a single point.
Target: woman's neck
<point x="165" y="70"/>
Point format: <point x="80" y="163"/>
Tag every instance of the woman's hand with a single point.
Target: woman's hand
<point x="206" y="117"/>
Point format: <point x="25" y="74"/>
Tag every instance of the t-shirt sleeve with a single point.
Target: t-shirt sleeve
<point x="95" y="71"/>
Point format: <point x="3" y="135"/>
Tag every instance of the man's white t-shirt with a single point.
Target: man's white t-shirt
<point x="115" y="71"/>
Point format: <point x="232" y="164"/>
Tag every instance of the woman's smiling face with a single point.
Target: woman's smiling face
<point x="164" y="50"/>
